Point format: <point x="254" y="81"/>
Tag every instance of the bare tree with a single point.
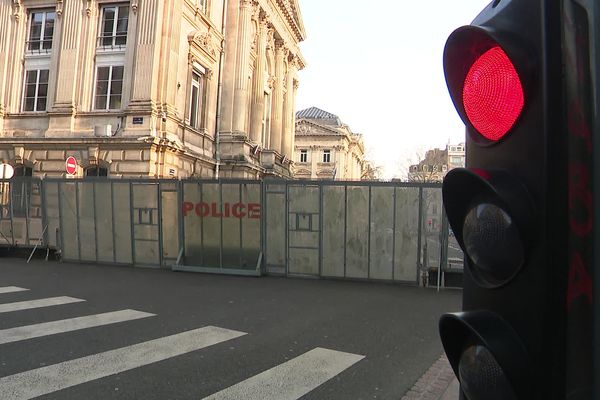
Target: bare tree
<point x="371" y="172"/>
<point x="430" y="166"/>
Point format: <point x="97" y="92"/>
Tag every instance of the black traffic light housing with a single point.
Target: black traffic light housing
<point x="509" y="207"/>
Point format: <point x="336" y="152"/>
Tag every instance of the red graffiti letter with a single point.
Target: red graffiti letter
<point x="254" y="210"/>
<point x="187" y="207"/>
<point x="202" y="210"/>
<point x="238" y="210"/>
<point x="580" y="200"/>
<point x="214" y="211"/>
<point x="580" y="283"/>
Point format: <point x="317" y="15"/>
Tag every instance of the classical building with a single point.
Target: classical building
<point x="326" y="148"/>
<point x="149" y="88"/>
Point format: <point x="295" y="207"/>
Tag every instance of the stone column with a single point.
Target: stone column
<point x="277" y="109"/>
<point x="293" y="116"/>
<point x="287" y="139"/>
<point x="145" y="72"/>
<point x="314" y="159"/>
<point x="88" y="49"/>
<point x="244" y="41"/>
<point x="171" y="57"/>
<point x="69" y="25"/>
<point x="258" y="96"/>
<point x="130" y="54"/>
<point x="6" y="22"/>
<point x="228" y="89"/>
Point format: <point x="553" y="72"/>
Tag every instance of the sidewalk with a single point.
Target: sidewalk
<point x="452" y="392"/>
<point x="438" y="383"/>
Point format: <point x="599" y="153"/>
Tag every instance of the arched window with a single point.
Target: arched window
<point x="96" y="171"/>
<point x="22" y="171"/>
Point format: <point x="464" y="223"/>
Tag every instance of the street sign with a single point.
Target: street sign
<point x="71" y="165"/>
<point x="6" y="171"/>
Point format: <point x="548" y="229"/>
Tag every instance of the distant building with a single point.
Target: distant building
<point x="436" y="164"/>
<point x="432" y="168"/>
<point x="456" y="155"/>
<point x="326" y="148"/>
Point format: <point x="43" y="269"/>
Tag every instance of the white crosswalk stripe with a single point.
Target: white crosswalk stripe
<point x="292" y="379"/>
<point x="11" y="289"/>
<point x="26" y="305"/>
<point x="69" y="325"/>
<point x="45" y="380"/>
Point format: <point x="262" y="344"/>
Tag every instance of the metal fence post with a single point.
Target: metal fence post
<point x="419" y="236"/>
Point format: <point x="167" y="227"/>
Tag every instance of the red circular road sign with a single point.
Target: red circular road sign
<point x="71" y="165"/>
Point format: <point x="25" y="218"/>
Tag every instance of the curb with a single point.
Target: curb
<point x="438" y="383"/>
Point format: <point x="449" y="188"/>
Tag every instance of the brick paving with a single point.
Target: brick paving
<point x="433" y="384"/>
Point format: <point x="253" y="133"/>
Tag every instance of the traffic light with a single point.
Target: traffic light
<point x="516" y="208"/>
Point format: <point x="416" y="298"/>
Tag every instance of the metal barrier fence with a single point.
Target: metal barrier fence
<point x="348" y="230"/>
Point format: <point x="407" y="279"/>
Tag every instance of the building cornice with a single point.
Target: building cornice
<point x="279" y="20"/>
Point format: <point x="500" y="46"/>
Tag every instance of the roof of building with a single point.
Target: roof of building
<point x="317" y="113"/>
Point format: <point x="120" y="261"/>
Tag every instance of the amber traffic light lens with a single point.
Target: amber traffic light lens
<point x="493" y="243"/>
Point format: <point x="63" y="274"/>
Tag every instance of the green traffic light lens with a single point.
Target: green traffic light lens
<point x="481" y="377"/>
<point x="493" y="243"/>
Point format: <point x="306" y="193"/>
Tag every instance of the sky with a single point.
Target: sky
<point x="378" y="66"/>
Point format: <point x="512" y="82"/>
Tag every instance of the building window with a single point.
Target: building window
<point x="96" y="171"/>
<point x="456" y="160"/>
<point x="303" y="155"/>
<point x="115" y="20"/>
<point x="21" y="190"/>
<point x="109" y="87"/>
<point x="36" y="90"/>
<point x="21" y="171"/>
<point x="326" y="156"/>
<point x="195" y="111"/>
<point x="41" y="30"/>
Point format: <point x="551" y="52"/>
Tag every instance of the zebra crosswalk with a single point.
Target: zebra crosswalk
<point x="292" y="379"/>
<point x="69" y="325"/>
<point x="28" y="305"/>
<point x="289" y="380"/>
<point x="11" y="289"/>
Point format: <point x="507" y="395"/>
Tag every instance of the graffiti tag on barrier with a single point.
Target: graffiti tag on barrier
<point x="235" y="210"/>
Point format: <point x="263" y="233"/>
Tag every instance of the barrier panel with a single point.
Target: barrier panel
<point x="365" y="231"/>
<point x="275" y="244"/>
<point x="221" y="227"/>
<point x="346" y="230"/>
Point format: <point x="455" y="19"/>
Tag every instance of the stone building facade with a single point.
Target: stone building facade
<point x="326" y="148"/>
<point x="456" y="155"/>
<point x="149" y="88"/>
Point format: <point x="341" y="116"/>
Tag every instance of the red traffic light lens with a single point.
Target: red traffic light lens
<point x="493" y="94"/>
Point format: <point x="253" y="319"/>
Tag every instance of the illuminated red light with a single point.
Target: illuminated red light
<point x="492" y="94"/>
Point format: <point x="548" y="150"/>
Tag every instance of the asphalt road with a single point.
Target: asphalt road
<point x="167" y="335"/>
